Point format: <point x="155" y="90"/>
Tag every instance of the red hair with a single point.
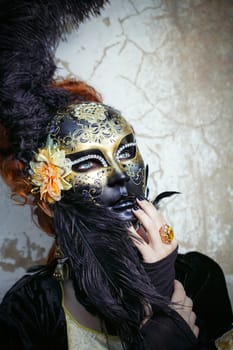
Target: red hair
<point x="79" y="88"/>
<point x="12" y="170"/>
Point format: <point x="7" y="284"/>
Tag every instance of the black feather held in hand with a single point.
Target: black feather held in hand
<point x="107" y="273"/>
<point x="29" y="34"/>
<point x="161" y="196"/>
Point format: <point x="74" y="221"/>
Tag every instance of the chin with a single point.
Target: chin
<point x="126" y="216"/>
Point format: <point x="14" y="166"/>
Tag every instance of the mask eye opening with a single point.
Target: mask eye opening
<point x="126" y="151"/>
<point x="88" y="162"/>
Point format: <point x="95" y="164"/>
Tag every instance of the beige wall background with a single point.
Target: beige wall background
<point x="167" y="65"/>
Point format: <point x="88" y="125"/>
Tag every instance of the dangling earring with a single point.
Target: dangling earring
<point x="61" y="271"/>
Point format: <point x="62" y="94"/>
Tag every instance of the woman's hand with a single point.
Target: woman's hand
<point x="183" y="306"/>
<point x="147" y="238"/>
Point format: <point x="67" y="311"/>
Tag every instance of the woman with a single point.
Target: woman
<point x="88" y="180"/>
<point x="109" y="280"/>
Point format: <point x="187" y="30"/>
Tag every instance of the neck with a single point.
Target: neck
<point x="77" y="310"/>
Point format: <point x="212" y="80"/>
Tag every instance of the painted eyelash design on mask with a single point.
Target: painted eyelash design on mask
<point x="123" y="147"/>
<point x="90" y="156"/>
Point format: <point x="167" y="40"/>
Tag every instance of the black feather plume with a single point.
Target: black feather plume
<point x="163" y="195"/>
<point x="107" y="272"/>
<point x="29" y="33"/>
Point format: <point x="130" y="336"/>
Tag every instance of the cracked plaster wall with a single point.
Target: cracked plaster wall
<point x="167" y="65"/>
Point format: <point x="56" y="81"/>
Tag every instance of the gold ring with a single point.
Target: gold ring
<point x="166" y="233"/>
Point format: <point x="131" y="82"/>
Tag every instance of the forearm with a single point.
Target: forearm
<point x="162" y="274"/>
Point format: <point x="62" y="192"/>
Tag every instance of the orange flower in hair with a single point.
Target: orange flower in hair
<point x="49" y="172"/>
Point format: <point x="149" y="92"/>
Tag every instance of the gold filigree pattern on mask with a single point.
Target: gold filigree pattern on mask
<point x="137" y="174"/>
<point x="90" y="185"/>
<point x="92" y="125"/>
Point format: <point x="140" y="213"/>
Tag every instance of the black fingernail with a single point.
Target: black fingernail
<point x="135" y="207"/>
<point x="140" y="198"/>
<point x="128" y="224"/>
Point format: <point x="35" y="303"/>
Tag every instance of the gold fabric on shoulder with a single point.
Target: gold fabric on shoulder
<point x="83" y="338"/>
<point x="225" y="342"/>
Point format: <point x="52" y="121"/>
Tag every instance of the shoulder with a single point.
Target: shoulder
<point x="38" y="284"/>
<point x="31" y="313"/>
<point x="197" y="270"/>
<point x="198" y="273"/>
<point x="196" y="262"/>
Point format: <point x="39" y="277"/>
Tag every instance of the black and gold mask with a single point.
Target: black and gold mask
<point x="106" y="165"/>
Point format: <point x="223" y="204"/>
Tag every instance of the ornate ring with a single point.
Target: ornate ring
<point x="166" y="233"/>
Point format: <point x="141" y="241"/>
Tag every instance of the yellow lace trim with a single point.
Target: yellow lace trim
<point x="84" y="338"/>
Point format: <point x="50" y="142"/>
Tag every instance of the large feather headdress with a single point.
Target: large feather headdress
<point x="29" y="34"/>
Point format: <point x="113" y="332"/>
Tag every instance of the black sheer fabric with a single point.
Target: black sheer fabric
<point x="162" y="274"/>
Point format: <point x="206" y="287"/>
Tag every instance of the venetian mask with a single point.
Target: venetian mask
<point x="106" y="165"/>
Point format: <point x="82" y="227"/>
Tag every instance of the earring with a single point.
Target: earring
<point x="61" y="271"/>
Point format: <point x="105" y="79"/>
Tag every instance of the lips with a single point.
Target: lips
<point x="124" y="203"/>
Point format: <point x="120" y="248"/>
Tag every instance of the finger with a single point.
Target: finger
<point x="188" y="302"/>
<point x="143" y="218"/>
<point x="195" y="331"/>
<point x="152" y="212"/>
<point x="179" y="294"/>
<point x="139" y="242"/>
<point x="135" y="236"/>
<point x="154" y="221"/>
<point x="192" y="318"/>
<point x="191" y="322"/>
<point x="149" y="226"/>
<point x="185" y="310"/>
